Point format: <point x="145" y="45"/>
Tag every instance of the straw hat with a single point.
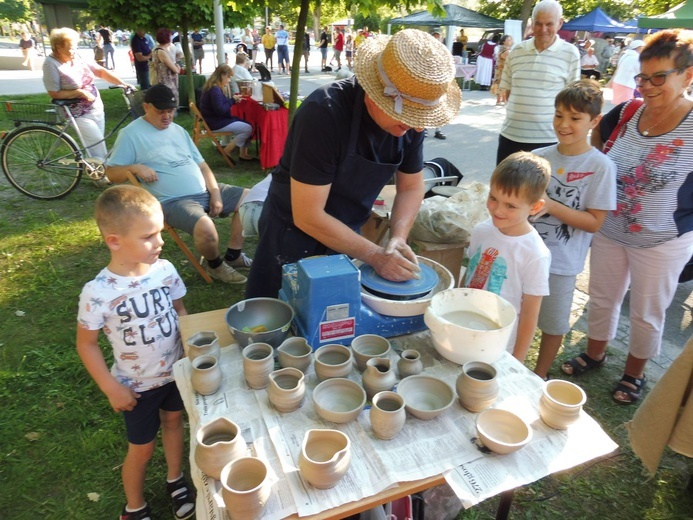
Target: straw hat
<point x="411" y="77"/>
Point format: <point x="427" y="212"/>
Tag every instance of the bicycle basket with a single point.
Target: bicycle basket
<point x="136" y="98"/>
<point x="21" y="112"/>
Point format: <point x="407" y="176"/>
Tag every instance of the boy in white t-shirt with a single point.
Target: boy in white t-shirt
<point x="581" y="192"/>
<point x="507" y="255"/>
<point x="136" y="301"/>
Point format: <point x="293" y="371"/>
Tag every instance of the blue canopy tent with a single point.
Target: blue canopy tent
<point x="597" y="21"/>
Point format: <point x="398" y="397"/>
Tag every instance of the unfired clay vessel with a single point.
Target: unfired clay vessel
<point x="378" y="376"/>
<point x="246" y="488"/>
<point x="332" y="361"/>
<point x="560" y="403"/>
<point x="409" y="364"/>
<point x="286" y="389"/>
<point x="387" y="414"/>
<point x="477" y="387"/>
<point x="206" y="375"/>
<point x="258" y="362"/>
<point x="367" y="346"/>
<point x="218" y="443"/>
<point x="202" y="343"/>
<point x="295" y="352"/>
<point x="325" y="457"/>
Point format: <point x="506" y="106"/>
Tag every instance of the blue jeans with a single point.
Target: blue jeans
<point x="283" y="55"/>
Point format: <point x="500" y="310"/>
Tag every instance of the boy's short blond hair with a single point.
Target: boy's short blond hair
<point x="522" y="174"/>
<point x="583" y="95"/>
<point x="117" y="206"/>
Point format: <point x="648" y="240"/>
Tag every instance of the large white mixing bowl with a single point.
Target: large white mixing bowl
<point x="459" y="343"/>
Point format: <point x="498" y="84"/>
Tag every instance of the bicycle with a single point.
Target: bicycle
<point x="41" y="159"/>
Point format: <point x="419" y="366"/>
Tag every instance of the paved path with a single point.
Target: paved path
<point x="471" y="146"/>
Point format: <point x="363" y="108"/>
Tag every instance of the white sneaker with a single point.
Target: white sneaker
<point x="242" y="262"/>
<point x="224" y="273"/>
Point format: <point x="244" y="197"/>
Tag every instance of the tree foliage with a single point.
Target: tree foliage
<point x="617" y="9"/>
<point x="16" y="10"/>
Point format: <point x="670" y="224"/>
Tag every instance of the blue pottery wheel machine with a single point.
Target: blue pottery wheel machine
<point x="326" y="295"/>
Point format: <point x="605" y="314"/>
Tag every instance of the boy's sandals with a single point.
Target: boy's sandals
<point x="141" y="514"/>
<point x="182" y="497"/>
<point x="629" y="389"/>
<point x="581" y="364"/>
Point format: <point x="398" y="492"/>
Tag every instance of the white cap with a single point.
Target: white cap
<point x="636" y="44"/>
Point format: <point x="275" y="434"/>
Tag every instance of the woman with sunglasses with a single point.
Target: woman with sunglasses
<point x="645" y="243"/>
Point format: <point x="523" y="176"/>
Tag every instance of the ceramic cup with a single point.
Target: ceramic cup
<point x="258" y="363"/>
<point x="560" y="403"/>
<point x="332" y="361"/>
<point x="387" y="415"/>
<point x="367" y="346"/>
<point x="286" y="389"/>
<point x="206" y="375"/>
<point x="477" y="386"/>
<point x="378" y="376"/>
<point x="246" y="488"/>
<point x="295" y="352"/>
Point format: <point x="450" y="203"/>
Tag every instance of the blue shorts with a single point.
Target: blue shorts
<point x="184" y="212"/>
<point x="323" y="52"/>
<point x="142" y="423"/>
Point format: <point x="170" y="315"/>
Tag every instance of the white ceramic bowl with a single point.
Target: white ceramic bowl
<point x="406" y="308"/>
<point x="501" y="431"/>
<point x="477" y="309"/>
<point x="425" y="397"/>
<point x="339" y="400"/>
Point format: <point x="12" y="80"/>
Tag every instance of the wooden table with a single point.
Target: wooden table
<point x="270" y="127"/>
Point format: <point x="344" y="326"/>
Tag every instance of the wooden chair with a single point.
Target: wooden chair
<point x="202" y="131"/>
<point x="177" y="239"/>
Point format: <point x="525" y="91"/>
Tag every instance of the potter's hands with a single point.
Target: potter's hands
<point x="397" y="262"/>
<point x="121" y="398"/>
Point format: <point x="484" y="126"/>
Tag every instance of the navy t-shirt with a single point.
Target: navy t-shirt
<point x="317" y="145"/>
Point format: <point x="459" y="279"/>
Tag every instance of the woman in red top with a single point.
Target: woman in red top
<point x="484" y="63"/>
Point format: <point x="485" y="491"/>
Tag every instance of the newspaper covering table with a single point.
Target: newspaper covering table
<point x="445" y="445"/>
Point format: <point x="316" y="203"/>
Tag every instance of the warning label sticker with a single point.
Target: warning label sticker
<point x="337" y="329"/>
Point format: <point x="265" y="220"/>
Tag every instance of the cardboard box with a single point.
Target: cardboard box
<point x="271" y="95"/>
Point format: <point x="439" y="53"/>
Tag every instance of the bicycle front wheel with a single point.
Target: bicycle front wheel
<point x="41" y="162"/>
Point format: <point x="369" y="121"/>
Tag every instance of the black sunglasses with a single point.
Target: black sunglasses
<point x="658" y="79"/>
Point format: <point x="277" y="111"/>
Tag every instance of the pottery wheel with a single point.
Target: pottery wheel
<point x="409" y="290"/>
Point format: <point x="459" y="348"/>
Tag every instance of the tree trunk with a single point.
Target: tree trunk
<point x="188" y="59"/>
<point x="525" y="13"/>
<point x="298" y="55"/>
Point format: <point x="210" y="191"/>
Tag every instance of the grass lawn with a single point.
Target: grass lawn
<point x="62" y="446"/>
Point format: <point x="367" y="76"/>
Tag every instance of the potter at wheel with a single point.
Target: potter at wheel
<point x="411" y="289"/>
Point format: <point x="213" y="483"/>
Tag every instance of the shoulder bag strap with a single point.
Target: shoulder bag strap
<point x="628" y="112"/>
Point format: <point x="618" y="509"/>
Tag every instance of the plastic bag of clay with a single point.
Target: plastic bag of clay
<point x="450" y="220"/>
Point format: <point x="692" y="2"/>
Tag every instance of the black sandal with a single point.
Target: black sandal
<point x="581" y="364"/>
<point x="632" y="387"/>
<point x="182" y="495"/>
<point x="141" y="514"/>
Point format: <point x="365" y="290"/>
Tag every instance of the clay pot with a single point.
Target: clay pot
<point x="332" y="361"/>
<point x="387" y="414"/>
<point x="560" y="403"/>
<point x="409" y="364"/>
<point x="246" y="488"/>
<point x="477" y="386"/>
<point x="378" y="376"/>
<point x="286" y="389"/>
<point x="295" y="352"/>
<point x="367" y="346"/>
<point x="325" y="457"/>
<point x="258" y="362"/>
<point x="203" y="343"/>
<point x="218" y="443"/>
<point x="206" y="375"/>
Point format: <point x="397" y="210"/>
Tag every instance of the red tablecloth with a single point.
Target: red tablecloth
<point x="270" y="126"/>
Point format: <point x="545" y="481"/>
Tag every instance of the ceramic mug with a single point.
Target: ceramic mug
<point x="367" y="346"/>
<point x="477" y="387"/>
<point x="246" y="488"/>
<point x="332" y="361"/>
<point x="206" y="375"/>
<point x="286" y="389"/>
<point x="295" y="352"/>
